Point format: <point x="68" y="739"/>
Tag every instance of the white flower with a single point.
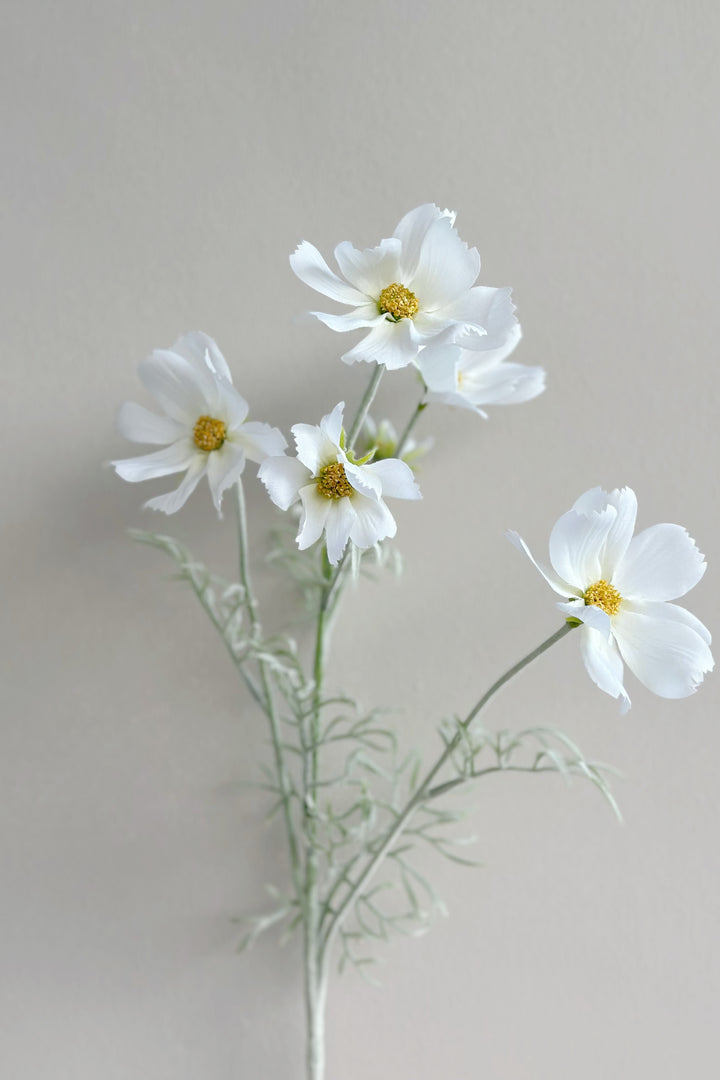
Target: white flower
<point x="340" y="497"/>
<point x="382" y="441"/>
<point x="470" y="379"/>
<point x="413" y="288"/>
<point x="203" y="431"/>
<point x="618" y="586"/>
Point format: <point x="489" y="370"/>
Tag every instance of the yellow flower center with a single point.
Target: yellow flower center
<point x="398" y="302"/>
<point x="333" y="483"/>
<point x="603" y="595"/>
<point x="208" y="433"/>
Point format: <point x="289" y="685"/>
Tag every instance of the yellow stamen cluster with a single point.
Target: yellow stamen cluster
<point x="603" y="595"/>
<point x="398" y="302"/>
<point x="208" y="433"/>
<point x="333" y="483"/>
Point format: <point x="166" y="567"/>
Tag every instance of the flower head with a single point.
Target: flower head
<point x="340" y="497"/>
<point x="618" y="586"/>
<point x="471" y="379"/>
<point x="203" y="430"/>
<point x="413" y="288"/>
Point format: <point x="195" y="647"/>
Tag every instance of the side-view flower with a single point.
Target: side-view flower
<point x="340" y="496"/>
<point x="618" y="586"/>
<point x="204" y="431"/>
<point x="471" y="379"/>
<point x="413" y="288"/>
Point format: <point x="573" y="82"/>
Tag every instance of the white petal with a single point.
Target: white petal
<point x="259" y="440"/>
<point x="364" y="482"/>
<point x="374" y="521"/>
<point x="229" y="406"/>
<point x="589" y="614"/>
<point x="622" y="528"/>
<point x="438" y="366"/>
<point x="172" y="502"/>
<point x="331" y="425"/>
<point x="660" y="609"/>
<point x="576" y="543"/>
<point x="370" y="270"/>
<point x="668" y="656"/>
<point x="661" y="563"/>
<point x="181" y="389"/>
<point x="283" y="477"/>
<point x="171" y="459"/>
<point x="603" y="664"/>
<point x="315" y="510"/>
<point x="358" y="319"/>
<point x="411" y="231"/>
<point x="138" y="424"/>
<point x="338" y="527"/>
<point x="396" y="478"/>
<point x="557" y="584"/>
<point x="389" y="343"/>
<point x="446" y="269"/>
<point x="310" y="267"/>
<point x="314" y="448"/>
<point x="199" y="348"/>
<point x="485" y="381"/>
<point x="224" y="466"/>
<point x="490" y="310"/>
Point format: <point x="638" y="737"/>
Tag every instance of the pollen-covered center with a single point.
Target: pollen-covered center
<point x="332" y="481"/>
<point x="398" y="302"/>
<point x="208" y="433"/>
<point x="603" y="595"/>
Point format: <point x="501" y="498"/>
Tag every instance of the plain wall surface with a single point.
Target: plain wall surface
<point x="160" y="162"/>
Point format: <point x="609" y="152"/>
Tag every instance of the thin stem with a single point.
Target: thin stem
<point x="423" y="791"/>
<point x="268" y="701"/>
<point x="422" y="405"/>
<point x="365" y="405"/>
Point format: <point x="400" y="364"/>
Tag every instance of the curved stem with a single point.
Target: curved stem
<point x="421" y="406"/>
<point x="364" y="405"/>
<point x="424" y="790"/>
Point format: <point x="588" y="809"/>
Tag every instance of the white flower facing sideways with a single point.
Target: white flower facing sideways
<point x="339" y="496"/>
<point x="413" y="288"/>
<point x="618" y="586"/>
<point x="203" y="430"/>
<point x="471" y="379"/>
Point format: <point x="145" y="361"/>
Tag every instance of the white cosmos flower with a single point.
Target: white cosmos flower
<point x="471" y="379"/>
<point x="203" y="431"/>
<point x="413" y="288"/>
<point x="618" y="586"/>
<point x="340" y="497"/>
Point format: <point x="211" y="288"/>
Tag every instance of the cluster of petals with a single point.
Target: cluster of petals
<point x="618" y="586"/>
<point x="433" y="270"/>
<point x="203" y="427"/>
<point x="346" y="502"/>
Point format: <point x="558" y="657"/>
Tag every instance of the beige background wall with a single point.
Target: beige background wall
<point x="160" y="161"/>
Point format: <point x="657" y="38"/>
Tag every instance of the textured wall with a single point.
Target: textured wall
<point x="161" y="161"/>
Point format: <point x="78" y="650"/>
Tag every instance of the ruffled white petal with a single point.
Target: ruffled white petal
<point x="259" y="440"/>
<point x="388" y="343"/>
<point x="412" y="229"/>
<point x="171" y="459"/>
<point x="331" y="424"/>
<point x="373" y="522"/>
<point x="283" y="477"/>
<point x="199" y="348"/>
<point x="438" y="366"/>
<point x="181" y="389"/>
<point x="314" y="448"/>
<point x="589" y="614"/>
<point x="660" y="609"/>
<point x="338" y="527"/>
<point x="620" y="532"/>
<point x="603" y="664"/>
<point x="174" y="500"/>
<point x="358" y="319"/>
<point x="315" y="511"/>
<point x="371" y="270"/>
<point x="364" y="482"/>
<point x="395" y="477"/>
<point x="668" y="656"/>
<point x="310" y="267"/>
<point x="489" y="310"/>
<point x="661" y="563"/>
<point x="228" y="405"/>
<point x="562" y="588"/>
<point x="224" y="466"/>
<point x="138" y="424"/>
<point x="446" y="268"/>
<point x="576" y="543"/>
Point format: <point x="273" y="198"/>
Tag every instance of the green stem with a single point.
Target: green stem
<point x="268" y="698"/>
<point x="422" y="405"/>
<point x="424" y="790"/>
<point x="365" y="405"/>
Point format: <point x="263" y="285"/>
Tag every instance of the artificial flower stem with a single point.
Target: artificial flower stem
<point x="422" y="405"/>
<point x="425" y="788"/>
<point x="267" y="692"/>
<point x="365" y="404"/>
